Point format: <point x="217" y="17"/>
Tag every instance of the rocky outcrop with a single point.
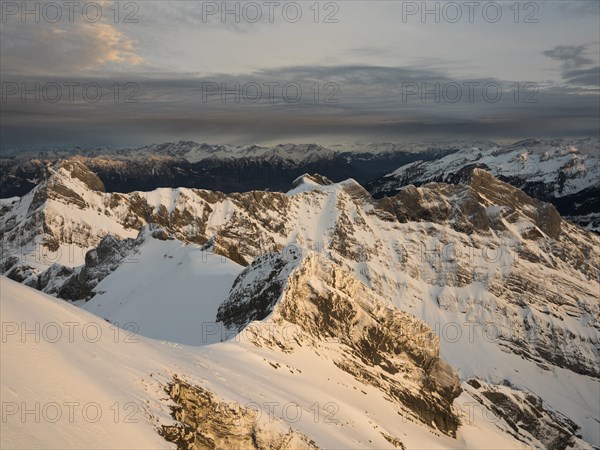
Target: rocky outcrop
<point x="315" y="178"/>
<point x="99" y="263"/>
<point x="524" y="416"/>
<point x="493" y="192"/>
<point x="79" y="283"/>
<point x="464" y="206"/>
<point x="564" y="173"/>
<point x="377" y="344"/>
<point x="206" y="422"/>
<point x="254" y="292"/>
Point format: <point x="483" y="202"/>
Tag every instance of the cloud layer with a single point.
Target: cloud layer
<point x="177" y="73"/>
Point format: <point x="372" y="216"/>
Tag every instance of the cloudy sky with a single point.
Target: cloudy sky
<point x="132" y="73"/>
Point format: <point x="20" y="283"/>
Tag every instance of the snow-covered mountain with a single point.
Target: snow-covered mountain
<point x="375" y="293"/>
<point x="194" y="152"/>
<point x="189" y="150"/>
<point x="215" y="167"/>
<point x="565" y="173"/>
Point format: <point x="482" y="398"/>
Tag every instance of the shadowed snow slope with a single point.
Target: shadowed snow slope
<point x="169" y="290"/>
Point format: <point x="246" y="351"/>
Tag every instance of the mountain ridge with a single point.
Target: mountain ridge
<point x="477" y="257"/>
<point x="565" y="174"/>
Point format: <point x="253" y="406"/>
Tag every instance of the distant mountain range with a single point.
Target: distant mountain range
<point x="563" y="172"/>
<point x="215" y="167"/>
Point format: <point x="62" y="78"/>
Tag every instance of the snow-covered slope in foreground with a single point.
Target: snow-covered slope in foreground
<point x="96" y="386"/>
<point x="84" y="392"/>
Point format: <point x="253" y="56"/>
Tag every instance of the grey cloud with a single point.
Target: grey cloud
<point x="235" y="16"/>
<point x="570" y="56"/>
<point x="583" y="77"/>
<point x="370" y="107"/>
<point x="574" y="71"/>
<point x="580" y="8"/>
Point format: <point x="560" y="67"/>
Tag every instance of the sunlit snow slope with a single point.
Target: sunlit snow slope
<point x="101" y="370"/>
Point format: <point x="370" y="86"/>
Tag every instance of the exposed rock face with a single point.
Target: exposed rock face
<point x="430" y="204"/>
<point x="492" y="192"/>
<point x="79" y="283"/>
<point x="54" y="280"/>
<point x="376" y="343"/>
<point x="567" y="174"/>
<point x="80" y="172"/>
<point x="255" y="292"/>
<point x="465" y="206"/>
<point x="21" y="273"/>
<point x="315" y="178"/>
<point x="40" y="217"/>
<point x="209" y="423"/>
<point x="527" y="418"/>
<point x="99" y="262"/>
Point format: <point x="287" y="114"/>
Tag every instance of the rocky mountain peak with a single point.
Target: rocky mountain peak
<point x="494" y="192"/>
<point x="564" y="173"/>
<point x="329" y="308"/>
<point x="315" y="179"/>
<point x="354" y="189"/>
<point x="484" y="203"/>
<point x="77" y="170"/>
<point x="67" y="181"/>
